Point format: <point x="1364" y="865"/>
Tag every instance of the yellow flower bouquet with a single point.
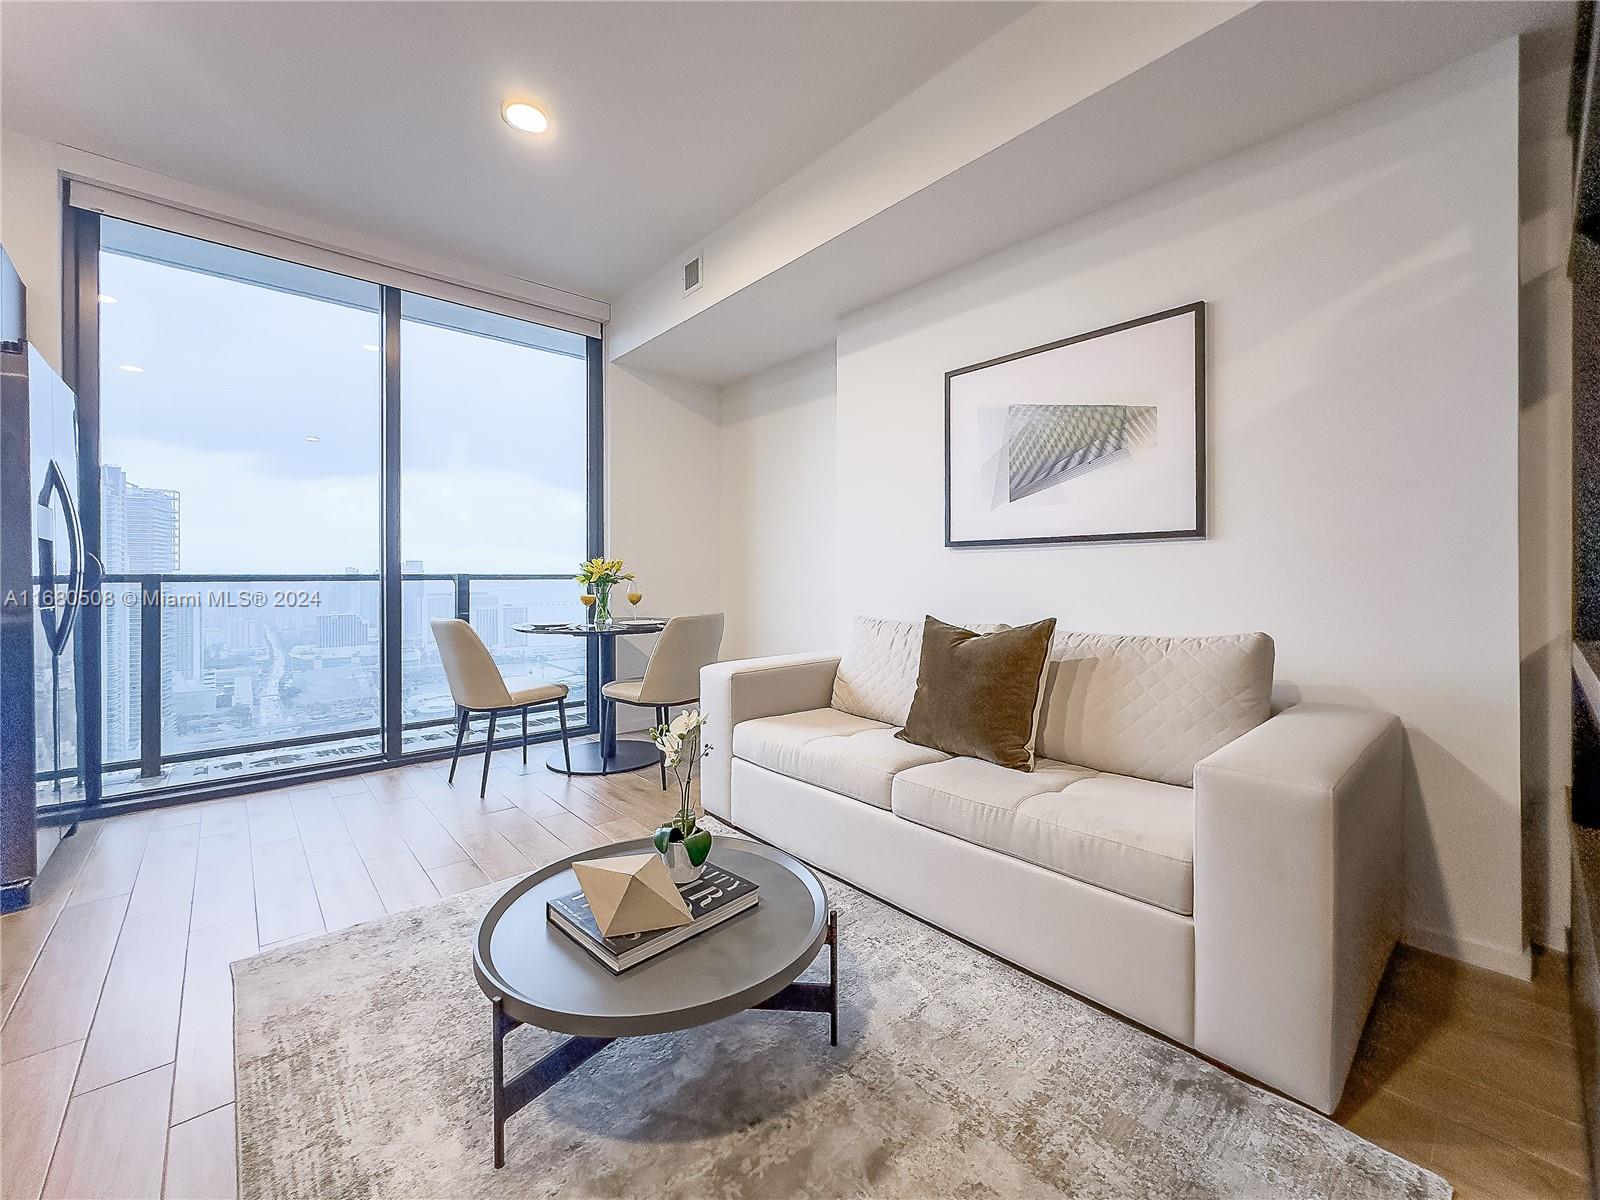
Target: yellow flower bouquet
<point x="599" y="576"/>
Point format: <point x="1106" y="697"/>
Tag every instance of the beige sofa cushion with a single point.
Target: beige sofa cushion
<point x="1152" y="707"/>
<point x="1127" y="835"/>
<point x="877" y="675"/>
<point x="842" y="752"/>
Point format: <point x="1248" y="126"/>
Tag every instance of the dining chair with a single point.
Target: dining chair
<point x="477" y="686"/>
<point x="672" y="675"/>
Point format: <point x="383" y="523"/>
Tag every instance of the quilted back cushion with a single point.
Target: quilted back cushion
<point x="1152" y="707"/>
<point x="877" y="674"/>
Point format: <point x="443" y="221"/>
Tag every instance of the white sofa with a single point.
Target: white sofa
<point x="1225" y="876"/>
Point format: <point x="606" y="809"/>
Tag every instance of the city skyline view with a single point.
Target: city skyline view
<point x="307" y="663"/>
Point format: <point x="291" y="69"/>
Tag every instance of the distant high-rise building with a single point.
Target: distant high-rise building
<point x="241" y="633"/>
<point x="486" y="617"/>
<point x="341" y="629"/>
<point x="358" y="596"/>
<point x="140" y="532"/>
<point x="181" y="643"/>
<point x="487" y="623"/>
<point x="413" y="609"/>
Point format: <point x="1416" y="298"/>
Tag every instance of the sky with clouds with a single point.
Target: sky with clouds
<point x="261" y="407"/>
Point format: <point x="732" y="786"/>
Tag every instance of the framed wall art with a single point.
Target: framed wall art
<point x="1095" y="438"/>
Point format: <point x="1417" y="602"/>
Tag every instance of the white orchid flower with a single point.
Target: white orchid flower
<point x="682" y="748"/>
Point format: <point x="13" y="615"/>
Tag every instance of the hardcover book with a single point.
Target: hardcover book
<point x="717" y="895"/>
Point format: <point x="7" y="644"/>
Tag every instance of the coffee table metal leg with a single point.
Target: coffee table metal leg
<point x="833" y="978"/>
<point x="502" y="1025"/>
<point x="510" y="1097"/>
<point x="815" y="997"/>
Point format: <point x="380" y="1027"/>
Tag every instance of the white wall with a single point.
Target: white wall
<point x="30" y="230"/>
<point x="1545" y="453"/>
<point x="1361" y="275"/>
<point x="664" y="490"/>
<point x="777" y="508"/>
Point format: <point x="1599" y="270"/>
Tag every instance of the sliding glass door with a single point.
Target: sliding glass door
<point x="246" y="411"/>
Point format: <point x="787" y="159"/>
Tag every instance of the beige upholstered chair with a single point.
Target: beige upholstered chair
<point x="477" y="686"/>
<point x="672" y="676"/>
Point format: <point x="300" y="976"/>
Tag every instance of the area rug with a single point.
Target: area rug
<point x="363" y="1065"/>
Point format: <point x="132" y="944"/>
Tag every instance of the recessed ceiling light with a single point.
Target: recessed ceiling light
<point x="311" y="437"/>
<point x="519" y="114"/>
<point x="131" y="369"/>
<point x="369" y="346"/>
<point x="105" y="299"/>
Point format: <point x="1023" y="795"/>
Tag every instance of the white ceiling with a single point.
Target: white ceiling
<point x="1270" y="69"/>
<point x="667" y="118"/>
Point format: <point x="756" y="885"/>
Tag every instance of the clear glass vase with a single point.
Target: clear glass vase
<point x="602" y="604"/>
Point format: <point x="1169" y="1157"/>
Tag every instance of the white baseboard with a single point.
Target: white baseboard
<point x="1517" y="963"/>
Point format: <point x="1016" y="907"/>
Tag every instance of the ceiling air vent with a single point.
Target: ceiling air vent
<point x="692" y="275"/>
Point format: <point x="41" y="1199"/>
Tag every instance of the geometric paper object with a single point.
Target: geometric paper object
<point x="1048" y="443"/>
<point x="631" y="894"/>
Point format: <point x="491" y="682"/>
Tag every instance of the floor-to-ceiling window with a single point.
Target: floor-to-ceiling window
<point x="493" y="488"/>
<point x="240" y="422"/>
<point x="242" y="474"/>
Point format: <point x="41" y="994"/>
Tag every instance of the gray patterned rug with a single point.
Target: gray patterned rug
<point x="363" y="1071"/>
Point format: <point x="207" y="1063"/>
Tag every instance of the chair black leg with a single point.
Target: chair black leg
<point x="461" y="734"/>
<point x="524" y="737"/>
<point x="488" y="749"/>
<point x="661" y="719"/>
<point x="566" y="751"/>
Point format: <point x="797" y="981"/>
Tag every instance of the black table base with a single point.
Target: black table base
<point x="511" y="1096"/>
<point x="611" y="757"/>
<point x="589" y="758"/>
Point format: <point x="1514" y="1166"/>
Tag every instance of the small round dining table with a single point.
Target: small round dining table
<point x="608" y="756"/>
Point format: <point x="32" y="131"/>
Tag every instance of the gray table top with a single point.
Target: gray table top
<point x="622" y="628"/>
<point x="544" y="978"/>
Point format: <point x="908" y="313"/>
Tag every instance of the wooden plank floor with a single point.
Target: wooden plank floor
<point x="116" y="1049"/>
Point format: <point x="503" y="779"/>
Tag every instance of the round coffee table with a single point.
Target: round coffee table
<point x="535" y="974"/>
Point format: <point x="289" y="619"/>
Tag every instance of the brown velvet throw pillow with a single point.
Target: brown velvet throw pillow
<point x="978" y="693"/>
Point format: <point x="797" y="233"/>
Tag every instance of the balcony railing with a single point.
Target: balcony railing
<point x="210" y="678"/>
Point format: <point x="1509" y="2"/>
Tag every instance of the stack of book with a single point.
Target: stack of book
<point x="717" y="895"/>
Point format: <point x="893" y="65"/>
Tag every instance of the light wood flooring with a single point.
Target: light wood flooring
<point x="116" y="1075"/>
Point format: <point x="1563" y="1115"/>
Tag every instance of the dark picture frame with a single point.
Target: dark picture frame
<point x="1197" y="529"/>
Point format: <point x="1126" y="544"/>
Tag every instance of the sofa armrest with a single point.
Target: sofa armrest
<point x="744" y="689"/>
<point x="1297" y="893"/>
